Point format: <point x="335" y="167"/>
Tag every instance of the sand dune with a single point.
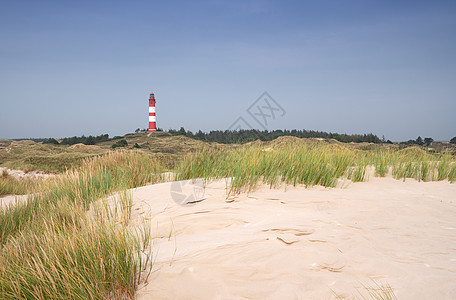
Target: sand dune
<point x="298" y="243"/>
<point x="302" y="243"/>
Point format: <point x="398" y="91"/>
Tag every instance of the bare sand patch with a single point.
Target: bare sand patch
<point x="87" y="148"/>
<point x="302" y="243"/>
<point x="9" y="200"/>
<point x="32" y="175"/>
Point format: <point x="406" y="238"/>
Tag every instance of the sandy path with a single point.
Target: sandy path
<point x="303" y="243"/>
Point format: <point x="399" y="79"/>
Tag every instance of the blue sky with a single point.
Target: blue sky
<point x="86" y="67"/>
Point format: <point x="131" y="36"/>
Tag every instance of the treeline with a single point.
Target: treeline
<point x="245" y="136"/>
<point x="86" y="140"/>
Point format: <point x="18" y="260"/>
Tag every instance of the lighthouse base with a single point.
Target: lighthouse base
<point x="152" y="126"/>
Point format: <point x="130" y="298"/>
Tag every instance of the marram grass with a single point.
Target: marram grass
<point x="312" y="164"/>
<point x="63" y="244"/>
<point x="92" y="257"/>
<point x="96" y="178"/>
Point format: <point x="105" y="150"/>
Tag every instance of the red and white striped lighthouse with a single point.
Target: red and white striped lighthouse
<point x="152" y="120"/>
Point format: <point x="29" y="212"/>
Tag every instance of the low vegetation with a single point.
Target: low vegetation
<point x="95" y="179"/>
<point x="88" y="259"/>
<point x="51" y="247"/>
<point x="313" y="164"/>
<point x="120" y="143"/>
<point x="28" y="155"/>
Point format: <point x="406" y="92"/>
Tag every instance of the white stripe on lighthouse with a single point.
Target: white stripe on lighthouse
<point x="151" y="109"/>
<point x="151" y="118"/>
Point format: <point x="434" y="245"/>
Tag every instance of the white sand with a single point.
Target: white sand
<point x="303" y="243"/>
<point x="8" y="200"/>
<point x="33" y="175"/>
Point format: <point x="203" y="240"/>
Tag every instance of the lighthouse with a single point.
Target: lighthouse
<point x="152" y="120"/>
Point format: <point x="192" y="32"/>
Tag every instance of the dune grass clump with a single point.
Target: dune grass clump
<point x="452" y="173"/>
<point x="91" y="257"/>
<point x="357" y="174"/>
<point x="11" y="186"/>
<point x="312" y="164"/>
<point x="291" y="164"/>
<point x="418" y="164"/>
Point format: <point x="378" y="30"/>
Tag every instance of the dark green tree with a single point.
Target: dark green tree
<point x="419" y="141"/>
<point x="181" y="131"/>
<point x="428" y="141"/>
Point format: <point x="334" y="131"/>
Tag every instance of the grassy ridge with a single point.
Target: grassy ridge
<point x="312" y="164"/>
<point x="50" y="248"/>
<point x="27" y="155"/>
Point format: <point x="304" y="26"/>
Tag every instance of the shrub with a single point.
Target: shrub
<point x="121" y="143"/>
<point x="453" y="140"/>
<point x="50" y="141"/>
<point x="87" y="140"/>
